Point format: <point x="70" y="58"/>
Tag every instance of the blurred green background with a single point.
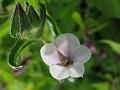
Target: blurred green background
<point x="95" y="22"/>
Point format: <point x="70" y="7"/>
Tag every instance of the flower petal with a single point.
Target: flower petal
<point x="49" y="54"/>
<point x="82" y="54"/>
<point x="59" y="72"/>
<point x="77" y="70"/>
<point x="67" y="43"/>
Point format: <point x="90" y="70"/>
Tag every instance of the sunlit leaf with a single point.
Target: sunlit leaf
<point x="101" y="86"/>
<point x="114" y="45"/>
<point x="4" y="29"/>
<point x="78" y="19"/>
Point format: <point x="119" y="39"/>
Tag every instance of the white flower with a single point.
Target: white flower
<point x="65" y="57"/>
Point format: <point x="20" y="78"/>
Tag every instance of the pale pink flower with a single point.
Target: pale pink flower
<point x="65" y="57"/>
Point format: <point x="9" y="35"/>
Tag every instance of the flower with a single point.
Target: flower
<point x="65" y="57"/>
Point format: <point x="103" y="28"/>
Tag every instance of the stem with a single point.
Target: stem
<point x="80" y="22"/>
<point x="7" y="14"/>
<point x="114" y="83"/>
<point x="98" y="28"/>
<point x="61" y="86"/>
<point x="43" y="41"/>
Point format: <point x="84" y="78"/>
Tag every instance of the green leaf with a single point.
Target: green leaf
<point x="110" y="8"/>
<point x="101" y="86"/>
<point x="114" y="45"/>
<point x="37" y="22"/>
<point x="20" y="22"/>
<point x="99" y="28"/>
<point x="78" y="19"/>
<point x="52" y="27"/>
<point x="26" y="6"/>
<point x="15" y="52"/>
<point x="33" y="17"/>
<point x="4" y="29"/>
<point x="42" y="10"/>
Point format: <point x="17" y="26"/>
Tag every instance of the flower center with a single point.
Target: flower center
<point x="65" y="61"/>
